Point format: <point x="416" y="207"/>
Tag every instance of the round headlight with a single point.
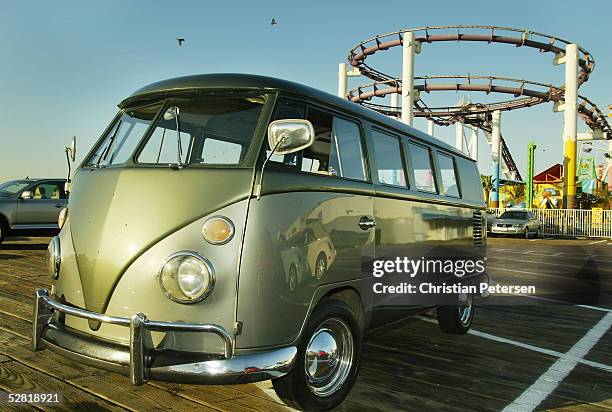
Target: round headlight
<point x="218" y="230"/>
<point x="54" y="257"/>
<point x="187" y="277"/>
<point x="62" y="217"/>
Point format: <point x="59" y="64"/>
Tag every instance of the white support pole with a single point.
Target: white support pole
<point x="395" y="101"/>
<point x="459" y="136"/>
<point x="495" y="157"/>
<point x="408" y="53"/>
<point x="474" y="143"/>
<point x="342" y="80"/>
<point x="430" y="127"/>
<point x="570" y="126"/>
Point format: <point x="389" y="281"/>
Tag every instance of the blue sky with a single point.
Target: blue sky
<point x="64" y="65"/>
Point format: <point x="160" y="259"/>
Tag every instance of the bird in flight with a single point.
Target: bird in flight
<point x="273" y="22"/>
<point x="180" y="41"/>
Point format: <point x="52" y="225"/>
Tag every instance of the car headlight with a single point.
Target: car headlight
<point x="54" y="257"/>
<point x="62" y="217"/>
<point x="519" y="225"/>
<point x="187" y="277"/>
<point x="218" y="230"/>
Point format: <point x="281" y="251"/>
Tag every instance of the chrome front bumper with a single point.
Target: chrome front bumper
<point x="141" y="363"/>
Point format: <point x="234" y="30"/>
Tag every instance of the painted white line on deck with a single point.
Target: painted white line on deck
<point x="598" y="241"/>
<point x="564" y="302"/>
<point x="550" y="380"/>
<point x="522" y="345"/>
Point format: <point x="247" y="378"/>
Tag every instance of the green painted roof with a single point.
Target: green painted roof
<point x="234" y="81"/>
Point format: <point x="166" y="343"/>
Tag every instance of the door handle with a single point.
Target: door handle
<point x="58" y="205"/>
<point x="366" y="223"/>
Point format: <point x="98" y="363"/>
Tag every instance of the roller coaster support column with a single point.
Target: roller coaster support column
<point x="473" y="147"/>
<point x="342" y="81"/>
<point x="531" y="148"/>
<point x="430" y="127"/>
<point x="410" y="48"/>
<point x="395" y="102"/>
<point x="495" y="157"/>
<point x="459" y="136"/>
<point x="343" y="75"/>
<point x="570" y="112"/>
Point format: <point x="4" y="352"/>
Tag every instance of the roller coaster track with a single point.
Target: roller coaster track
<point x="526" y="93"/>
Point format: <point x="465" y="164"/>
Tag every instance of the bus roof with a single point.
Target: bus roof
<point x="237" y="81"/>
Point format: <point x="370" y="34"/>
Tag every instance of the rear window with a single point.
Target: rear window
<point x="448" y="173"/>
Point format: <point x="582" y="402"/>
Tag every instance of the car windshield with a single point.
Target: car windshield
<point x="214" y="131"/>
<point x="123" y="136"/>
<point x="513" y="215"/>
<point x="14" y="186"/>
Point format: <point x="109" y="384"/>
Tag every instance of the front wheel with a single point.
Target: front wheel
<point x="457" y="319"/>
<point x="526" y="233"/>
<point x="327" y="360"/>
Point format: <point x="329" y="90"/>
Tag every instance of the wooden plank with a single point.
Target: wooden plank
<point x="15" y="377"/>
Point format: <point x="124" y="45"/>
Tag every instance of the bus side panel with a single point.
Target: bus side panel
<point x="289" y="238"/>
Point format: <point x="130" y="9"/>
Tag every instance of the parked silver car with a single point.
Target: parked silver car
<point x="517" y="222"/>
<point x="31" y="205"/>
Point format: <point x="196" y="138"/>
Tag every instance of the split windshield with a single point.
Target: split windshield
<point x="215" y="131"/>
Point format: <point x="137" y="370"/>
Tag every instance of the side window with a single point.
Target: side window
<point x="346" y="150"/>
<point x="449" y="175"/>
<point x="316" y="158"/>
<point x="420" y="162"/>
<point x="287" y="109"/>
<point x="48" y="190"/>
<point x="389" y="159"/>
<point x="337" y="149"/>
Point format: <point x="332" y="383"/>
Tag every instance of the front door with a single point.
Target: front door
<point x="42" y="210"/>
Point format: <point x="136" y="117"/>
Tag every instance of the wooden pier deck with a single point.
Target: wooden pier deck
<point x="406" y="366"/>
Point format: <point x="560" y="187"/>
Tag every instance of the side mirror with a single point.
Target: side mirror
<point x="73" y="148"/>
<point x="26" y="194"/>
<point x="290" y="135"/>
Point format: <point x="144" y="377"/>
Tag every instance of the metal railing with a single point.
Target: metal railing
<point x="571" y="222"/>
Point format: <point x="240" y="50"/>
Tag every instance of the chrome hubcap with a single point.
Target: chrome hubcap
<point x="465" y="308"/>
<point x="329" y="357"/>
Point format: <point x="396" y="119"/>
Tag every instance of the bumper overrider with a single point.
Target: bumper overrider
<point x="141" y="363"/>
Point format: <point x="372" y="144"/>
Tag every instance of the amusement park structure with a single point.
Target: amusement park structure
<point x="579" y="64"/>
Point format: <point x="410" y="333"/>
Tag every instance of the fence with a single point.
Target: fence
<point x="571" y="222"/>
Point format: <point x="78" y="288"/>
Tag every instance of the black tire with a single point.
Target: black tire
<point x="294" y="388"/>
<point x="450" y="319"/>
<point x="3" y="229"/>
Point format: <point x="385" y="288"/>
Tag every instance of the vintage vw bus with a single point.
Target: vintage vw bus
<point x="173" y="264"/>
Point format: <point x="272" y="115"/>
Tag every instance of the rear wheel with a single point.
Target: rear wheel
<point x="327" y="360"/>
<point x="457" y="319"/>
